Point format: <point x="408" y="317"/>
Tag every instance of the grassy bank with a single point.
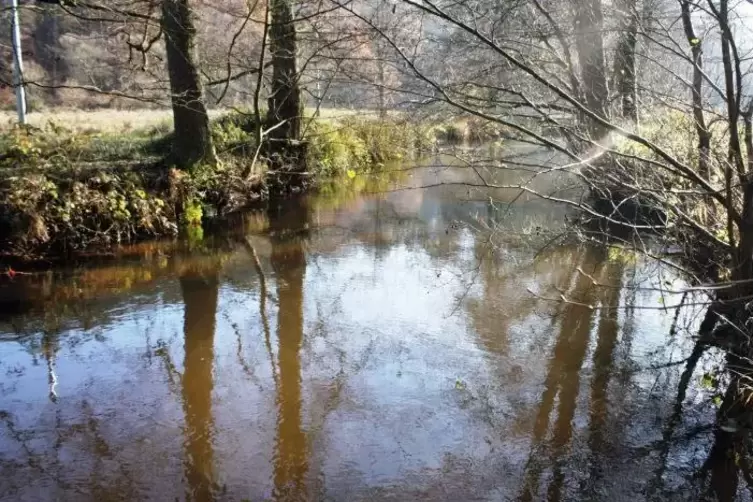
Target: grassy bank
<point x="68" y="191"/>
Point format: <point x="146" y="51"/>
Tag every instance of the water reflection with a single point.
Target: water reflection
<point x="200" y="291"/>
<point x="373" y="351"/>
<point x="289" y="264"/>
<point x="608" y="330"/>
<point x="562" y="385"/>
<point x="731" y="456"/>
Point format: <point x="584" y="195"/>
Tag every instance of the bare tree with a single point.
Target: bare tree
<point x="625" y="59"/>
<point x="588" y="27"/>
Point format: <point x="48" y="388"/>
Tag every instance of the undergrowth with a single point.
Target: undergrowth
<point x="353" y="144"/>
<point x="64" y="192"/>
<point x="629" y="185"/>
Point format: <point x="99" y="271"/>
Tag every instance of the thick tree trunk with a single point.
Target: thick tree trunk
<point x="285" y="98"/>
<point x="743" y="266"/>
<point x="192" y="142"/>
<point x="624" y="61"/>
<point x="589" y="41"/>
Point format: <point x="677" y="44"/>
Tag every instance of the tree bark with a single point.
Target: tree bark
<point x="285" y="98"/>
<point x="192" y="143"/>
<point x="589" y="41"/>
<point x="624" y="62"/>
<point x="743" y="259"/>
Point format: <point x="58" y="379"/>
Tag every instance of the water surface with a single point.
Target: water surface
<point x="376" y="347"/>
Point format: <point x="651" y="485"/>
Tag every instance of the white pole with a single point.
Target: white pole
<point x="18" y="68"/>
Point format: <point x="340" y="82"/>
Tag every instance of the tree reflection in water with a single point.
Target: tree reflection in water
<point x="200" y="293"/>
<point x="289" y="265"/>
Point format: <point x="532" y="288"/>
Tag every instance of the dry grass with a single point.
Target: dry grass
<point x="113" y="120"/>
<point x="99" y="120"/>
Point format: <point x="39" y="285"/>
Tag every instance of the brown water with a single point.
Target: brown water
<point x="375" y="348"/>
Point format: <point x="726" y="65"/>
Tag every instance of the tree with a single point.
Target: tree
<point x="588" y="27"/>
<point x="284" y="103"/>
<point x="625" y="60"/>
<point x="686" y="174"/>
<point x="48" y="49"/>
<point x="192" y="140"/>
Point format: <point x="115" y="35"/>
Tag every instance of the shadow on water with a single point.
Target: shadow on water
<point x="728" y="469"/>
<point x="608" y="330"/>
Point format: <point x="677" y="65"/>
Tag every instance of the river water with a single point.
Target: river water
<point x="384" y="346"/>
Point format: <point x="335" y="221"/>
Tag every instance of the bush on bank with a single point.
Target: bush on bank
<point x="64" y="193"/>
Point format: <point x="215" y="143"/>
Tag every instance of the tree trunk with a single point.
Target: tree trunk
<point x="49" y="51"/>
<point x="704" y="135"/>
<point x="192" y="143"/>
<point x="285" y="98"/>
<point x="589" y="41"/>
<point x="382" y="96"/>
<point x="624" y="61"/>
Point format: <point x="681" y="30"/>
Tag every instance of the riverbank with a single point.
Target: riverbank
<point x="67" y="192"/>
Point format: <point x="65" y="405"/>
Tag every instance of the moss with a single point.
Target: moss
<point x="192" y="213"/>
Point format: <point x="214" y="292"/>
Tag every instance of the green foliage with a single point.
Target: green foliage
<point x="463" y="130"/>
<point x="333" y="149"/>
<point x="453" y="132"/>
<point x="195" y="236"/>
<point x="55" y="147"/>
<point x="673" y="130"/>
<point x="354" y="144"/>
<point x="708" y="381"/>
<point x="192" y="213"/>
<point x="85" y="209"/>
<point x="617" y="254"/>
<point x="65" y="191"/>
<point x="675" y="195"/>
<point x="234" y="133"/>
<point x="390" y="139"/>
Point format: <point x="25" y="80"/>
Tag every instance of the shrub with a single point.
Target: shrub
<point x="334" y="148"/>
<point x="87" y="208"/>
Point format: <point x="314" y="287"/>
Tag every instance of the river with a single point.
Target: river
<point x="404" y="345"/>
